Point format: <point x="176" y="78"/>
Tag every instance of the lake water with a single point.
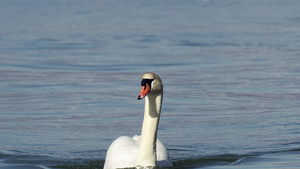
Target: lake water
<point x="70" y="72"/>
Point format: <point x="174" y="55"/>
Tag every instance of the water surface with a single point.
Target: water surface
<point x="70" y="72"/>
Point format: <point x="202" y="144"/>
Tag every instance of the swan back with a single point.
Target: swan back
<point x="123" y="152"/>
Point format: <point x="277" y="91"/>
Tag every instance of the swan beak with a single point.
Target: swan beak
<point x="144" y="91"/>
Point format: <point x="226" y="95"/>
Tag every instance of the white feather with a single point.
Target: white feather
<point x="143" y="151"/>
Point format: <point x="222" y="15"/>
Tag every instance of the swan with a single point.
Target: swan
<point x="144" y="151"/>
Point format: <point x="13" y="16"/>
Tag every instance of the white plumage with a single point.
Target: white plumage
<point x="123" y="151"/>
<point x="145" y="150"/>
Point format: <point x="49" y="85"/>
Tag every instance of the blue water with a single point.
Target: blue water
<point x="70" y="72"/>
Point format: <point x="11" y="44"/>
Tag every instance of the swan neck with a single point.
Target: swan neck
<point x="147" y="148"/>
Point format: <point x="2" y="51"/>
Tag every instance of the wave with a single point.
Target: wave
<point x="280" y="159"/>
<point x="290" y="159"/>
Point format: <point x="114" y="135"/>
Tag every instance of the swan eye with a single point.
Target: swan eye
<point x="146" y="88"/>
<point x="146" y="81"/>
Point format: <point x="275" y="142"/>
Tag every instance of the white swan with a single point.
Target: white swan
<point x="146" y="150"/>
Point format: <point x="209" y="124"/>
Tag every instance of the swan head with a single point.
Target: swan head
<point x="151" y="85"/>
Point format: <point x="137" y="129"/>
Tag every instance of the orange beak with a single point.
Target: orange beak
<point x="144" y="91"/>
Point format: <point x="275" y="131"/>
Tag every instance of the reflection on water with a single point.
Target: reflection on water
<point x="70" y="73"/>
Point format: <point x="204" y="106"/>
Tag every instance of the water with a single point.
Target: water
<point x="70" y="72"/>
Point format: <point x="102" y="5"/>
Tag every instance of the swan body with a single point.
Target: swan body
<point x="144" y="151"/>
